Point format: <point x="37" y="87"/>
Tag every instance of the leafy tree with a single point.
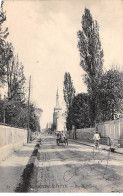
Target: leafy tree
<point x="34" y="121"/>
<point x="68" y="90"/>
<point x="79" y="112"/>
<point x="14" y="73"/>
<point x="70" y="118"/>
<point x="110" y="94"/>
<point x="53" y="127"/>
<point x="16" y="114"/>
<point x="16" y="80"/>
<point x="3" y="34"/>
<point x="11" y="70"/>
<point x="91" y="55"/>
<point x="13" y="108"/>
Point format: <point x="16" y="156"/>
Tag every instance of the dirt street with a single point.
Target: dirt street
<point x="76" y="168"/>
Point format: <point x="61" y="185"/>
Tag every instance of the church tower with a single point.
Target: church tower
<point x="56" y="109"/>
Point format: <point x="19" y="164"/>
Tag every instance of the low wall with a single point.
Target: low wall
<point x="11" y="139"/>
<point x="83" y="134"/>
<point x="108" y="130"/>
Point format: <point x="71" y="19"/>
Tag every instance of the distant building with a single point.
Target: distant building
<point x="38" y="114"/>
<point x="48" y="126"/>
<point x="57" y="110"/>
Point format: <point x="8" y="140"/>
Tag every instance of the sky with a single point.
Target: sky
<point x="44" y="34"/>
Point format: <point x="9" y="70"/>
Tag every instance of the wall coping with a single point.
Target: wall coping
<point x="9" y="126"/>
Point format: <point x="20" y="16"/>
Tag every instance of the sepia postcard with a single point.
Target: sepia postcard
<point x="61" y="96"/>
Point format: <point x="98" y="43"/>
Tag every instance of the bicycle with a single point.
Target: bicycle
<point x="96" y="144"/>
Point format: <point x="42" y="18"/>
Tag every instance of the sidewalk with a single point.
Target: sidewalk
<point x="12" y="168"/>
<point x="105" y="147"/>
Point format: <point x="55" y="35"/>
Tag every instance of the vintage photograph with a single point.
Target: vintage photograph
<point x="61" y="96"/>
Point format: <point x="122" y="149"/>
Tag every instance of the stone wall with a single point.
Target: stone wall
<point x="11" y="139"/>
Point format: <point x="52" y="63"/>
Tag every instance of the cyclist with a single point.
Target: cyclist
<point x="96" y="138"/>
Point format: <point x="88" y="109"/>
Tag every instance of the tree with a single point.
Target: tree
<point x="68" y="90"/>
<point x="70" y="118"/>
<point x="79" y="112"/>
<point x="3" y="34"/>
<point x="14" y="73"/>
<point x="91" y="55"/>
<point x="34" y="123"/>
<point x="16" y="80"/>
<point x="11" y="70"/>
<point x="53" y="127"/>
<point x="15" y="114"/>
<point x="13" y="108"/>
<point x="110" y="94"/>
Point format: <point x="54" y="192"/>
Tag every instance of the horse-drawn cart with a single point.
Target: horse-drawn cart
<point x="61" y="138"/>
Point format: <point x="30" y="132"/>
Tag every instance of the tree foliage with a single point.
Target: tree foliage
<point x="3" y="34"/>
<point x="16" y="114"/>
<point x="105" y="90"/>
<point x="13" y="108"/>
<point x="15" y="80"/>
<point x="68" y="90"/>
<point x="53" y="127"/>
<point x="89" y="45"/>
<point x="91" y="55"/>
<point x="110" y="94"/>
<point x="79" y="112"/>
<point x="34" y="123"/>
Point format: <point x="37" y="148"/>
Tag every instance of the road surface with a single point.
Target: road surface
<point x="76" y="168"/>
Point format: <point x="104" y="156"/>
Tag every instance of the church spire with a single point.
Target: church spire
<point x="57" y="109"/>
<point x="57" y="94"/>
<point x="57" y="99"/>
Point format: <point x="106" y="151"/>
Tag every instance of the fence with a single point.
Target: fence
<point x="11" y="139"/>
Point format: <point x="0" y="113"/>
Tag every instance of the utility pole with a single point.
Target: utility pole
<point x="28" y="129"/>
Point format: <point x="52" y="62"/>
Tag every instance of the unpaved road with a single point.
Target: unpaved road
<point x="76" y="168"/>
